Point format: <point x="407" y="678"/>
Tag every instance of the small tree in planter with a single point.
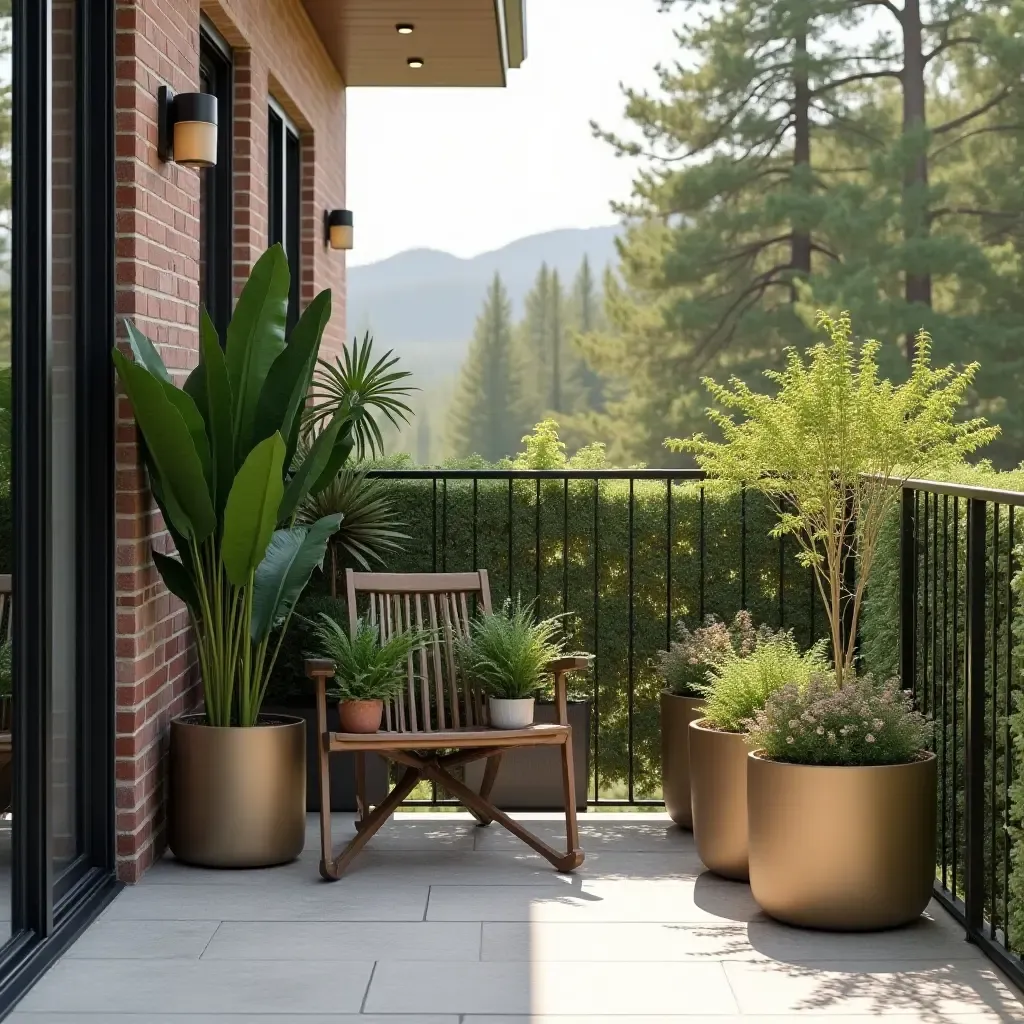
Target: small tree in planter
<point x="831" y="449"/>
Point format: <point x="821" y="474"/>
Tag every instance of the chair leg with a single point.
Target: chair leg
<point x="332" y="868"/>
<point x="568" y="861"/>
<point x="572" y="835"/>
<point x="490" y="776"/>
<point x="360" y="770"/>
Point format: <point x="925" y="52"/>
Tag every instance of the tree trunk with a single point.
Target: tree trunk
<point x="801" y="243"/>
<point x="915" y="179"/>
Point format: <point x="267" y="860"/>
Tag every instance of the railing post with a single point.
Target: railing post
<point x="908" y="592"/>
<point x="974" y="898"/>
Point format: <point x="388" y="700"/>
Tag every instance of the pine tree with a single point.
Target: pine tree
<point x="556" y="343"/>
<point x="586" y="319"/>
<point x="533" y="343"/>
<point x="486" y="416"/>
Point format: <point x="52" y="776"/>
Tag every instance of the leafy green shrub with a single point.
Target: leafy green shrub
<point x="860" y="723"/>
<point x="508" y="651"/>
<point x="684" y="666"/>
<point x="365" y="668"/>
<point x="740" y="686"/>
<point x="6" y="669"/>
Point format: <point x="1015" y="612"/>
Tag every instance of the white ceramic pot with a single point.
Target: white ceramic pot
<point x="511" y="714"/>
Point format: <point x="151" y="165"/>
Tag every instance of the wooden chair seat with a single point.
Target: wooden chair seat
<point x="440" y="721"/>
<point x="533" y="736"/>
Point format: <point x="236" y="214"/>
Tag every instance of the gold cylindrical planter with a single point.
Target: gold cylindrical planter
<point x="718" y="789"/>
<point x="676" y="715"/>
<point x="843" y="849"/>
<point x="237" y="796"/>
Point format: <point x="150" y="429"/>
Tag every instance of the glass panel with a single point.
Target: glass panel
<point x="67" y="832"/>
<point x="207" y="183"/>
<point x="6" y="547"/>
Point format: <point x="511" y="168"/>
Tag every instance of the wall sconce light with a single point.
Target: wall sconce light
<point x="187" y="127"/>
<point x="338" y="229"/>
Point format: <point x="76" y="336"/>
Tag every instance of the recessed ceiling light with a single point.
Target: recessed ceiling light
<point x="404" y="29"/>
<point x="415" y="62"/>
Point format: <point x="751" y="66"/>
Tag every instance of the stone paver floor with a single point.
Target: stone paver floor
<point x="441" y="922"/>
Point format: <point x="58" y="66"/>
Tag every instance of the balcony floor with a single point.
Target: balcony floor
<point x="441" y="922"/>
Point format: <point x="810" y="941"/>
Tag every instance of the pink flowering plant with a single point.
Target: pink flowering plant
<point x="684" y="666"/>
<point x="859" y="724"/>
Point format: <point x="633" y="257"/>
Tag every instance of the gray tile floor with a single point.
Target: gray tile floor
<point x="441" y="922"/>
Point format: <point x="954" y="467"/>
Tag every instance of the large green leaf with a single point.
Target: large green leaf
<point x="285" y="570"/>
<point x="339" y="456"/>
<point x="171" y="451"/>
<point x="193" y="418"/>
<point x="251" y="511"/>
<point x="178" y="581"/>
<point x="287" y="385"/>
<point x="312" y="466"/>
<point x="255" y="340"/>
<point x="217" y="410"/>
<point x="145" y="352"/>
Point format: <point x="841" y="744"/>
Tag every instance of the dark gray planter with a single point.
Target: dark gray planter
<point x="530" y="779"/>
<point x="343" y="770"/>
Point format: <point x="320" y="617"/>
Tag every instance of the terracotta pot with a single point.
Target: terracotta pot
<point x="718" y="787"/>
<point x="676" y="715"/>
<point x="510" y="714"/>
<point x="360" y="715"/>
<point x="237" y="796"/>
<point x="845" y="849"/>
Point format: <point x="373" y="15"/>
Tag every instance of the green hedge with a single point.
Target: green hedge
<point x="563" y="515"/>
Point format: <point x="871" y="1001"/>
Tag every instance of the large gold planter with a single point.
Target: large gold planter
<point x="237" y="796"/>
<point x="676" y="715"/>
<point x="718" y="789"/>
<point x="844" y="849"/>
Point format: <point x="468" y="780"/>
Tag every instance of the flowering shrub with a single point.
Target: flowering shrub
<point x="684" y="666"/>
<point x="740" y="686"/>
<point x="860" y="723"/>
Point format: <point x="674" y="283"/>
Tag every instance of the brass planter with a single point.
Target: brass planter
<point x="237" y="796"/>
<point x="844" y="849"/>
<point x="718" y="788"/>
<point x="676" y="715"/>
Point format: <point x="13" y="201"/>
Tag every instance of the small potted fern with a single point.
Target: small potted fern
<point x="507" y="653"/>
<point x="368" y="671"/>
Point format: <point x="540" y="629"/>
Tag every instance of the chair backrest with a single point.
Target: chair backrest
<point x="437" y="696"/>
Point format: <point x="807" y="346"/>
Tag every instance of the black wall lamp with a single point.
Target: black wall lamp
<point x="338" y="229"/>
<point x="187" y="127"/>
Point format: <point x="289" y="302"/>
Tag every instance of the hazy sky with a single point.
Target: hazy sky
<point x="468" y="170"/>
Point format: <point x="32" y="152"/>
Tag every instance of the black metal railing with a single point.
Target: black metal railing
<point x="624" y="554"/>
<point x="956" y="643"/>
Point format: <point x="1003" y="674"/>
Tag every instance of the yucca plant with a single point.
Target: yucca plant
<point x="365" y="667"/>
<point x="508" y="652"/>
<point x="220" y="454"/>
<point x="369" y="528"/>
<point x="353" y="380"/>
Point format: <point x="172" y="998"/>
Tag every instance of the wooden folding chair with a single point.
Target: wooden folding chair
<point x="440" y="721"/>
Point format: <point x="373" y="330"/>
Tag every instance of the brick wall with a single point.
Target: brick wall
<point x="276" y="53"/>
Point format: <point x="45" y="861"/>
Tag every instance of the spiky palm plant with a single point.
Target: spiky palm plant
<point x="364" y="385"/>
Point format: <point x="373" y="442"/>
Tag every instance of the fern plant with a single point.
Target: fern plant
<point x="365" y="667"/>
<point x="831" y="448"/>
<point x="741" y="684"/>
<point x="508" y="652"/>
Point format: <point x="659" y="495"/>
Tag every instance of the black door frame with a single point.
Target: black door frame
<point x="48" y="914"/>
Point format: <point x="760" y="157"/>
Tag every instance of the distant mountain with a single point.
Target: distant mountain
<point x="423" y="303"/>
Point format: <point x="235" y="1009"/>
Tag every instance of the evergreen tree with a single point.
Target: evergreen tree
<point x="586" y="317"/>
<point x="533" y="343"/>
<point x="556" y="343"/>
<point x="423" y="438"/>
<point x="486" y="417"/>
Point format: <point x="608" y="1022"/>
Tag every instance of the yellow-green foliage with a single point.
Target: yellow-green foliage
<point x="829" y="444"/>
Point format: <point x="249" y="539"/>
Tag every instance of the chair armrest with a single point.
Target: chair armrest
<point x="569" y="663"/>
<point x="560" y="668"/>
<point x="320" y="670"/>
